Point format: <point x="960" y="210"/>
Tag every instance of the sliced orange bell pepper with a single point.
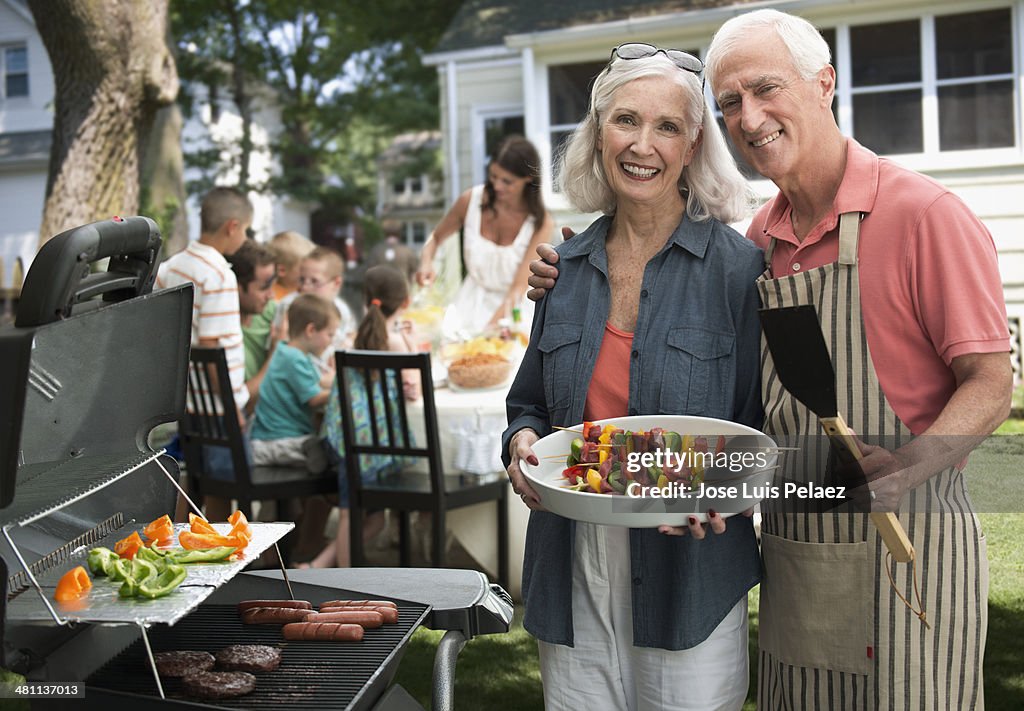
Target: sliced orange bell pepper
<point x="239" y="522"/>
<point x="161" y="530"/>
<point x="73" y="584"/>
<point x="203" y="541"/>
<point x="128" y="547"/>
<point x="201" y="525"/>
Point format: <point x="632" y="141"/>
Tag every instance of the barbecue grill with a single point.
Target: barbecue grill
<point x="84" y="381"/>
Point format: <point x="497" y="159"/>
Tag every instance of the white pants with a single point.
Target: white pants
<point x="605" y="671"/>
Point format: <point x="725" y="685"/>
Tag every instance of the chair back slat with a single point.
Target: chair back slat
<point x="378" y="369"/>
<point x="210" y="417"/>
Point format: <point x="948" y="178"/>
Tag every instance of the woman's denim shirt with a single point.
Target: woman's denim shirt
<point x="696" y="351"/>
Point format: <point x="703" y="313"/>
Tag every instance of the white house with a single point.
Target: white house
<point x="26" y="91"/>
<point x="933" y="84"/>
<point x="409" y="192"/>
<point x="26" y="120"/>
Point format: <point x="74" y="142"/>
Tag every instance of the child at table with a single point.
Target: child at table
<point x="293" y="390"/>
<point x="386" y="293"/>
<point x="322" y="272"/>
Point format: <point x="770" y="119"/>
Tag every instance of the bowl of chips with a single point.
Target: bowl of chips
<point x="478" y="363"/>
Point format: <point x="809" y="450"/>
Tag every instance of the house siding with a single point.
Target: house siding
<point x="990" y="182"/>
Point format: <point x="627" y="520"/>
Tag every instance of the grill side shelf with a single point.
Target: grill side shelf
<point x="102" y="604"/>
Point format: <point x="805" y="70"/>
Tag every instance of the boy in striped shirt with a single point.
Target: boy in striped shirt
<point x="225" y="221"/>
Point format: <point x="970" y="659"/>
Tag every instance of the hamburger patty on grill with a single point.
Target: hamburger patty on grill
<point x="249" y="657"/>
<point x="218" y="684"/>
<point x="180" y="663"/>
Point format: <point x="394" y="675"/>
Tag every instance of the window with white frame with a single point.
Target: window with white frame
<point x="974" y="80"/>
<point x="568" y="101"/>
<point x="14" y="68"/>
<point x="415" y="233"/>
<point x="964" y="60"/>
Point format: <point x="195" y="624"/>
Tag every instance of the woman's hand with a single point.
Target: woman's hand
<point x="425" y="275"/>
<point x="697" y="529"/>
<point x="520" y="447"/>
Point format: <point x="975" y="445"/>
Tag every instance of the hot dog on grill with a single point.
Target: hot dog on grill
<point x="358" y="603"/>
<point x="389" y="614"/>
<point x="296" y="604"/>
<point x="274" y="615"/>
<point x="367" y="619"/>
<point x="322" y="632"/>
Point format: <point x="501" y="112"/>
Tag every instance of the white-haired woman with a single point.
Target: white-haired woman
<point x="655" y="311"/>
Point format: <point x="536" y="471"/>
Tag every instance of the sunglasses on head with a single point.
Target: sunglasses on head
<point x="641" y="50"/>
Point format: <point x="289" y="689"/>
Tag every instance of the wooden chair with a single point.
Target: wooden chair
<point x="407" y="491"/>
<point x="201" y="426"/>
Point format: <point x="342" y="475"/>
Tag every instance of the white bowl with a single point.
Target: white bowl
<point x="750" y="483"/>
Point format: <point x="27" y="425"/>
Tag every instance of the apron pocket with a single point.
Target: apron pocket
<point x="817" y="604"/>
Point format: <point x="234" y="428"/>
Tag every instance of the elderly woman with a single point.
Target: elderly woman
<point x="655" y="311"/>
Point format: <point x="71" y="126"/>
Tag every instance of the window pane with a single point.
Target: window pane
<point x="495" y="129"/>
<point x="419" y="232"/>
<point x="974" y="44"/>
<point x="889" y="121"/>
<point x="886" y="54"/>
<point x="976" y="116"/>
<point x="17" y="85"/>
<point x="569" y="90"/>
<point x="16" y="60"/>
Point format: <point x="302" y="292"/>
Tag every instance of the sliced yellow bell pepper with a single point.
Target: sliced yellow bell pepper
<point x="594" y="480"/>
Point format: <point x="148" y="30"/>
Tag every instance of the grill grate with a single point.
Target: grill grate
<point x="312" y="675"/>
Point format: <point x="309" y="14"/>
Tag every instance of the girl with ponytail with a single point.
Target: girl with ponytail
<point x="386" y="293"/>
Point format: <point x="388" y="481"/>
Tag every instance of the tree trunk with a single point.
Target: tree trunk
<point x="112" y="71"/>
<point x="163" y="194"/>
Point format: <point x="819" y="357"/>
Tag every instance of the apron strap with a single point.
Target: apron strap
<point x="849" y="234"/>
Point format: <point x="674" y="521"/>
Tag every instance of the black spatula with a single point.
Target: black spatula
<point x="805" y="369"/>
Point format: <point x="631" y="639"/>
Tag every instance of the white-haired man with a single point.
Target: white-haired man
<point x="905" y="281"/>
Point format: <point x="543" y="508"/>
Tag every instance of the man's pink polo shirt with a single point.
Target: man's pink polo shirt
<point x="929" y="280"/>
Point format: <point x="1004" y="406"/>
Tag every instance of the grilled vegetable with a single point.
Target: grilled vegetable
<point x="141" y="571"/>
<point x="164" y="583"/>
<point x="101" y="560"/>
<point x="72" y="585"/>
<point x="209" y="555"/>
<point x="128" y="547"/>
<point x="160" y="531"/>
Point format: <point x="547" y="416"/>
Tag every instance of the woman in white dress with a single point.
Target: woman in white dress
<point x="502" y="222"/>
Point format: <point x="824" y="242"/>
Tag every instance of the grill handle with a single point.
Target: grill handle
<point x="60" y="275"/>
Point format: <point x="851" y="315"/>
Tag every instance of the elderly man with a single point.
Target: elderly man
<point x="905" y="281"/>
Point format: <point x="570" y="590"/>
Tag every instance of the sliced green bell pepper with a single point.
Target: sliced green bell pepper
<point x="209" y="555"/>
<point x="101" y="560"/>
<point x="673" y="442"/>
<point x="121" y="569"/>
<point x="164" y="583"/>
<point x="141" y="571"/>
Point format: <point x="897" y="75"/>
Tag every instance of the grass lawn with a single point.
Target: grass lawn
<point x="500" y="671"/>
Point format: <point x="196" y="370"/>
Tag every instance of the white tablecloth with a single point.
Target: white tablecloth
<point x="469" y="425"/>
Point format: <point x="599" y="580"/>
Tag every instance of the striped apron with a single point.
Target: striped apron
<point x="833" y="633"/>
